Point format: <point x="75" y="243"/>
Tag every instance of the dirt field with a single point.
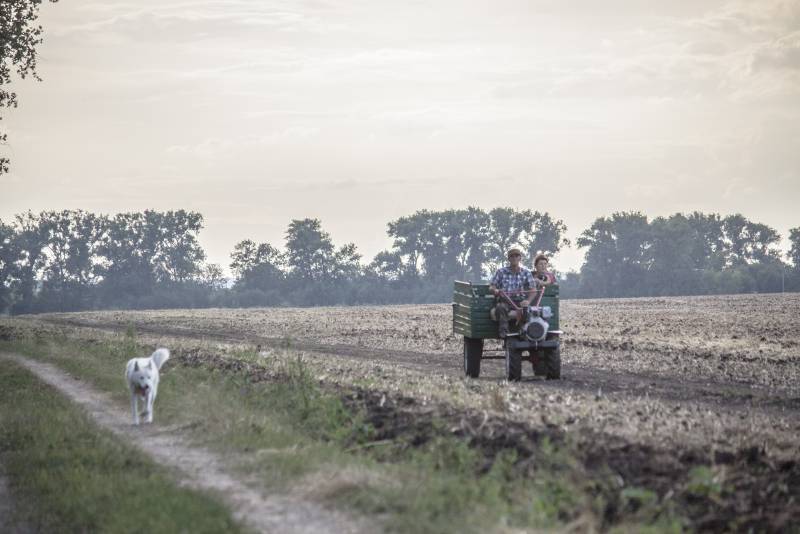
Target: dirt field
<point x="652" y="389"/>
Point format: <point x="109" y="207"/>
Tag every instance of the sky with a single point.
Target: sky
<point x="356" y="112"/>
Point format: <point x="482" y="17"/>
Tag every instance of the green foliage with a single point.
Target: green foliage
<point x="794" y="250"/>
<point x="627" y="255"/>
<point x="62" y="261"/>
<point x="704" y="482"/>
<point x="468" y="243"/>
<point x="19" y="37"/>
<point x="74" y="260"/>
<point x="321" y="415"/>
<point x="66" y="475"/>
<point x="616" y="262"/>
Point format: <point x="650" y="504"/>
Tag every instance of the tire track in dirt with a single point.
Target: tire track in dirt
<point x="199" y="468"/>
<point x="729" y="396"/>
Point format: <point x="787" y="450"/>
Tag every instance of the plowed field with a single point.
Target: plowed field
<point x="651" y="389"/>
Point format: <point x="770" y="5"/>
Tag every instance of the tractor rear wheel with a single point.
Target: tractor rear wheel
<point x="552" y="362"/>
<point x="513" y="364"/>
<point x="473" y="350"/>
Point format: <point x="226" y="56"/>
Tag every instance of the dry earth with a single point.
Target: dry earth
<point x="650" y="389"/>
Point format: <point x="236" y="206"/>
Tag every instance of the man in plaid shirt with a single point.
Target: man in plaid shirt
<point x="517" y="282"/>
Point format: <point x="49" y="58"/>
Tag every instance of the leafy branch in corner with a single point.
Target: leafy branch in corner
<point x="19" y="36"/>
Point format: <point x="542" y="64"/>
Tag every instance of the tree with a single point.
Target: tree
<point x="8" y="261"/>
<point x="470" y="243"/>
<point x="257" y="266"/>
<point x="453" y="243"/>
<point x="475" y="224"/>
<point x="309" y="250"/>
<point x="616" y="259"/>
<point x="213" y="277"/>
<point x="388" y="266"/>
<point x="19" y="37"/>
<point x="128" y="248"/>
<point x="346" y="265"/>
<point x="542" y="234"/>
<point x="29" y="242"/>
<point x="71" y="246"/>
<point x="708" y="248"/>
<point x="670" y="262"/>
<point x="407" y="232"/>
<point x="140" y="250"/>
<point x="318" y="272"/>
<point x="178" y="256"/>
<point x="747" y="241"/>
<point x="794" y="250"/>
<point x="504" y="230"/>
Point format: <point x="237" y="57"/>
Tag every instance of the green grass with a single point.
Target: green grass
<point x="292" y="434"/>
<point x="67" y="475"/>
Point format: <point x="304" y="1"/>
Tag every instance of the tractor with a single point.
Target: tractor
<point x="533" y="336"/>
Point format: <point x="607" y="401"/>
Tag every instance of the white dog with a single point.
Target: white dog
<point x="141" y="374"/>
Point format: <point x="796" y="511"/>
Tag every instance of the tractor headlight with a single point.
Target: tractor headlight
<point x="536" y="329"/>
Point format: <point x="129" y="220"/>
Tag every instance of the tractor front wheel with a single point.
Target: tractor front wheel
<point x="552" y="362"/>
<point x="513" y="364"/>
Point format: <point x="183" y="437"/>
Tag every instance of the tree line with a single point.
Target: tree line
<point x="628" y="255"/>
<point x="76" y="260"/>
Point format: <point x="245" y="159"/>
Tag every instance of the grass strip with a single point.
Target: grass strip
<point x="67" y="475"/>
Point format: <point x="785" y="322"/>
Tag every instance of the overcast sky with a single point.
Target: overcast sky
<point x="358" y="112"/>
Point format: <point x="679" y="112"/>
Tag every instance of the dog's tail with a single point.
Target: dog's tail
<point x="160" y="356"/>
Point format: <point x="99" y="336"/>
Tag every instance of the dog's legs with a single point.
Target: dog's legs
<point x="135" y="408"/>
<point x="150" y="399"/>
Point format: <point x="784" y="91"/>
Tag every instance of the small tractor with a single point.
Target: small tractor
<point x="533" y="334"/>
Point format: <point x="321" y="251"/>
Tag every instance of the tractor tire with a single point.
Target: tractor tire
<point x="513" y="364"/>
<point x="538" y="363"/>
<point x="473" y="351"/>
<point x="552" y="360"/>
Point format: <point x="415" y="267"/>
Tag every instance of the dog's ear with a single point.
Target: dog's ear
<point x="136" y="366"/>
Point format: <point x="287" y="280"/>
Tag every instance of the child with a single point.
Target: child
<point x="541" y="273"/>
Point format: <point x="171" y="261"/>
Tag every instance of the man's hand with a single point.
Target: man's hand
<point x="525" y="303"/>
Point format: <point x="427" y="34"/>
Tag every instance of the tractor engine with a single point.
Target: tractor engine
<point x="536" y="327"/>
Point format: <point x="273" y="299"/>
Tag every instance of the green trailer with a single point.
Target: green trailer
<point x="538" y="343"/>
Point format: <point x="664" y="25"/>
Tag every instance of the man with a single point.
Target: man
<point x="540" y="265"/>
<point x="517" y="282"/>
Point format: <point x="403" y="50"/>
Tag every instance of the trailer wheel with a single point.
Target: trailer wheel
<point x="553" y="363"/>
<point x="513" y="364"/>
<point x="473" y="351"/>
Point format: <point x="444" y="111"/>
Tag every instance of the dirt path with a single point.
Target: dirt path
<point x="199" y="468"/>
<point x="722" y="395"/>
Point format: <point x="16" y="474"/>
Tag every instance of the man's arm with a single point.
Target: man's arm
<point x="534" y="283"/>
<point x="493" y="285"/>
